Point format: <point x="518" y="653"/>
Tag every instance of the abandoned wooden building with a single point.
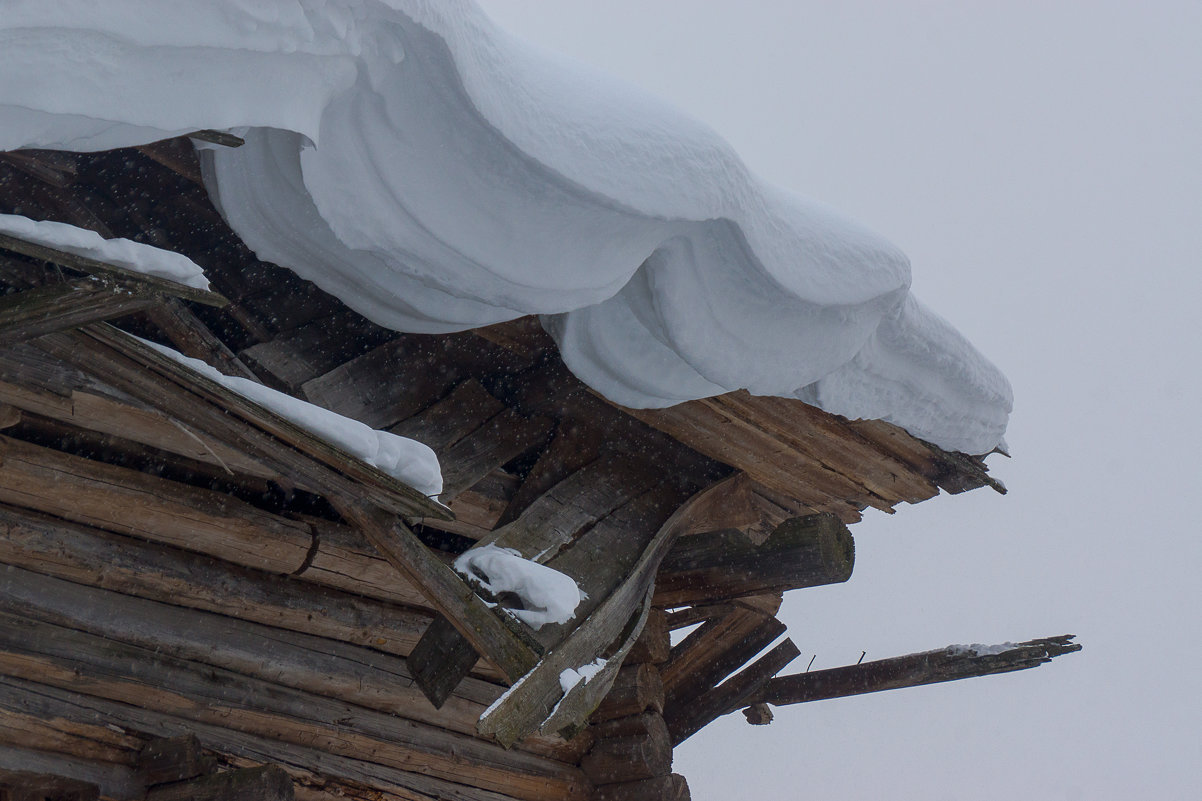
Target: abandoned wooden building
<point x="257" y="542"/>
<point x="201" y="599"/>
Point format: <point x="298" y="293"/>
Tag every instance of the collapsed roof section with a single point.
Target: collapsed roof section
<point x="438" y="175"/>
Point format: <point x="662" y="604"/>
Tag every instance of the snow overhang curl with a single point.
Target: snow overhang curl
<point x="535" y="594"/>
<point x="437" y="174"/>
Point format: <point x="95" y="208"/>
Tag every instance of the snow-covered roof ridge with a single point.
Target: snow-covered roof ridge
<point x="437" y="174"/>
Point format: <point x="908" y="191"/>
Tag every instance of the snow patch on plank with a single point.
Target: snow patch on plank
<point x="406" y="460"/>
<point x="144" y="259"/>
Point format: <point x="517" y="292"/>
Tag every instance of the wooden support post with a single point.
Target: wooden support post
<point x="930" y="667"/>
<point x="654" y="644"/>
<point x="267" y="783"/>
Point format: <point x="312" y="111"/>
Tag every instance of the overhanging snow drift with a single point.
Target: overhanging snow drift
<point x="437" y="174"/>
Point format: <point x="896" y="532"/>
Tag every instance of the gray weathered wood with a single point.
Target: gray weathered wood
<point x="636" y="688"/>
<point x="930" y="667"/>
<point x="713" y="652"/>
<point x="672" y="787"/>
<point x="192" y="337"/>
<point x="266" y="783"/>
<point x="20" y="785"/>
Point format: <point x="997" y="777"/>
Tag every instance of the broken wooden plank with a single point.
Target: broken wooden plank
<point x="440" y="426"/>
<point x="685" y="720"/>
<point x="929" y="667"/>
<point x="503" y="438"/>
<point x="803" y="552"/>
<point x="99" y="268"/>
<point x="57" y="307"/>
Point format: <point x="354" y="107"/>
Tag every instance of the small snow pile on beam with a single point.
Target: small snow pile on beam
<point x="145" y="259"/>
<point x="404" y="459"/>
<point x="546" y="595"/>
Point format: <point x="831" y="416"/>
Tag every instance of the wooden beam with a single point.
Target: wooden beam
<point x="99" y="268"/>
<point x="803" y="552"/>
<point x="131" y="566"/>
<point x="334" y="670"/>
<point x="57" y="307"/>
<point x="713" y="652"/>
<point x="930" y="667"/>
<point x="336" y="758"/>
<point x="192" y="337"/>
<point x="25" y="786"/>
<point x="635" y="689"/>
<point x="165" y="760"/>
<point x="672" y="787"/>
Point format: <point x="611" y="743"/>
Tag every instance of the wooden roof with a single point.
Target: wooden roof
<point x="184" y="563"/>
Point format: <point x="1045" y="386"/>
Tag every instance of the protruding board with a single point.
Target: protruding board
<point x="58" y="307"/>
<point x="930" y="667"/>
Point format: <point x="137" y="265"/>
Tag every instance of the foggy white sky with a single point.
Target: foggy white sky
<point x="1041" y="165"/>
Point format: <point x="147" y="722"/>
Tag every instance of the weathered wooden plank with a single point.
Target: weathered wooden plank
<point x="930" y="667"/>
<point x="134" y="567"/>
<point x="803" y="552"/>
<point x="114" y="781"/>
<point x="82" y="741"/>
<point x="574" y="445"/>
<point x="440" y="660"/>
<point x="57" y="307"/>
<point x="99" y="268"/>
<point x="828" y="440"/>
<point x="685" y="720"/>
<point x="9" y="416"/>
<point x="54" y="704"/>
<point x="267" y="783"/>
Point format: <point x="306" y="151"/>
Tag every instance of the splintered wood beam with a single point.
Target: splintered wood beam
<point x="57" y="307"/>
<point x="127" y="364"/>
<point x="689" y="719"/>
<point x="802" y="552"/>
<point x="930" y="667"/>
<point x="99" y="268"/>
